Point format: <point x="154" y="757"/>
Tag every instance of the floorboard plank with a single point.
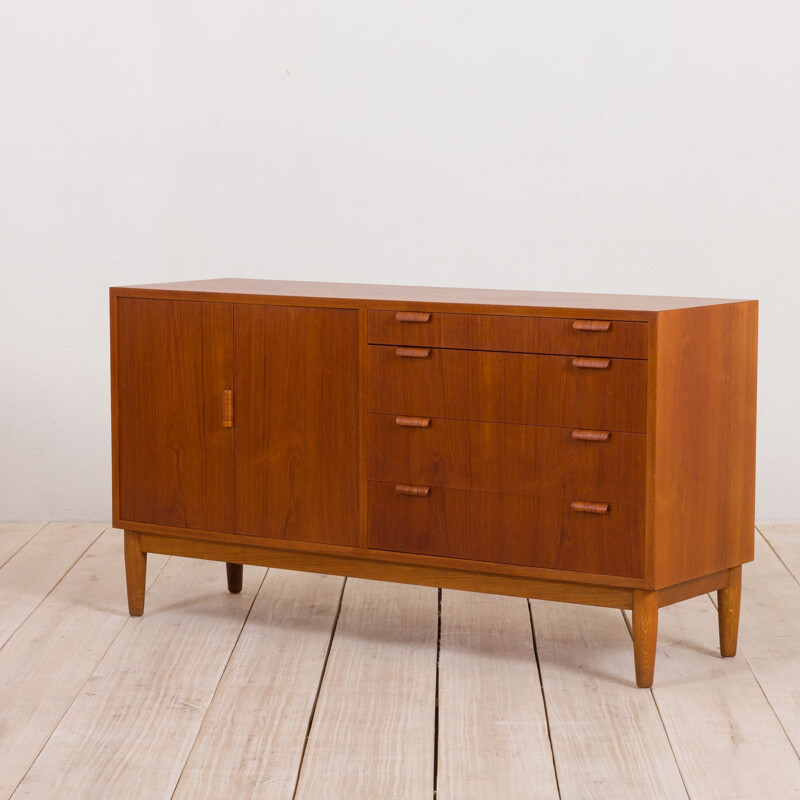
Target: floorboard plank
<point x="373" y="730"/>
<point x="784" y="539"/>
<point x="29" y="576"/>
<point x="769" y="634"/>
<point x="251" y="741"/>
<point x="608" y="740"/>
<point x="129" y="732"/>
<point x="728" y="742"/>
<point x="47" y="661"/>
<point x="14" y="535"/>
<point x="493" y="741"/>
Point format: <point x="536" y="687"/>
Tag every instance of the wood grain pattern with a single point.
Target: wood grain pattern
<point x="528" y="530"/>
<point x="509" y="333"/>
<point x="234" y="574"/>
<point x="403" y="568"/>
<point x="362" y="438"/>
<point x="594" y="325"/>
<point x="692" y="588"/>
<point x="703" y="436"/>
<point x="412" y="491"/>
<point x="174" y="361"/>
<point x="493" y="739"/>
<point x="227" y="408"/>
<point x="784" y="539"/>
<point x="413" y="422"/>
<point x="251" y="740"/>
<point x="521" y="459"/>
<point x="730" y="745"/>
<point x="608" y="740"/>
<point x="297" y="431"/>
<point x="509" y="387"/>
<point x="14" y="536"/>
<point x="769" y="637"/>
<point x="412" y="352"/>
<point x="44" y="665"/>
<point x="310" y="549"/>
<point x="310" y="293"/>
<point x="412" y="316"/>
<point x="543" y="438"/>
<point x="645" y="633"/>
<point x="591" y="363"/>
<point x="146" y="699"/>
<point x="28" y="576"/>
<point x="590" y="436"/>
<point x="589" y="507"/>
<point x="729" y="602"/>
<point x="135" y="573"/>
<point x="386" y="636"/>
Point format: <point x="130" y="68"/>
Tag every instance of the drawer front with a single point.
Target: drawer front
<point x="519" y="334"/>
<point x="507" y="528"/>
<point x="520" y="459"/>
<point x="508" y="387"/>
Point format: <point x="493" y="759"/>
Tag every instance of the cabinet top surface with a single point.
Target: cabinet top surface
<point x="245" y="288"/>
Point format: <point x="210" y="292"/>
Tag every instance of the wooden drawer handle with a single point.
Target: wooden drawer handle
<point x="591" y="324"/>
<point x="412" y="352"/>
<point x="413" y="422"/>
<point x="413" y="316"/>
<point x="412" y="491"/>
<point x="591" y="363"/>
<point x="227" y="408"/>
<point x="589" y="508"/>
<point x="591" y="436"/>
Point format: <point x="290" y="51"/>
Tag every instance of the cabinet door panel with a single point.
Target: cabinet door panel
<point x="297" y="423"/>
<point x="174" y="361"/>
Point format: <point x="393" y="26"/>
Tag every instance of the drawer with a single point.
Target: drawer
<point x="516" y="334"/>
<point x="609" y="394"/>
<point x="520" y="459"/>
<point x="507" y="528"/>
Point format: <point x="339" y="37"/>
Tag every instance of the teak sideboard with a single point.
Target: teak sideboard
<point x="593" y="449"/>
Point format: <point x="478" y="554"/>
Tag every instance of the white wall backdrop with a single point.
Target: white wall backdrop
<point x="574" y="145"/>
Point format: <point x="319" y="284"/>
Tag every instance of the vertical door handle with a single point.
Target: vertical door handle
<point x="227" y="408"/>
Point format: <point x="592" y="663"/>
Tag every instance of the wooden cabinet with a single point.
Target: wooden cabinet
<point x="584" y="448"/>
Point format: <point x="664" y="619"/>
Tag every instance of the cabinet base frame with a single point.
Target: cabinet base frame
<point x="643" y="603"/>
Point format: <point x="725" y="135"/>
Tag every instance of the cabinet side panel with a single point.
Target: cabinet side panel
<point x="175" y="458"/>
<point x="115" y="511"/>
<point x="297" y="439"/>
<point x="705" y="441"/>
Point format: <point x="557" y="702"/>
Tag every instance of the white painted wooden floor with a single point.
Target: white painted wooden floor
<point x="308" y="686"/>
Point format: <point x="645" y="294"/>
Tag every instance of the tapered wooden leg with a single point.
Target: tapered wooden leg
<point x="729" y="600"/>
<point x="135" y="573"/>
<point x="235" y="572"/>
<point x="645" y="633"/>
